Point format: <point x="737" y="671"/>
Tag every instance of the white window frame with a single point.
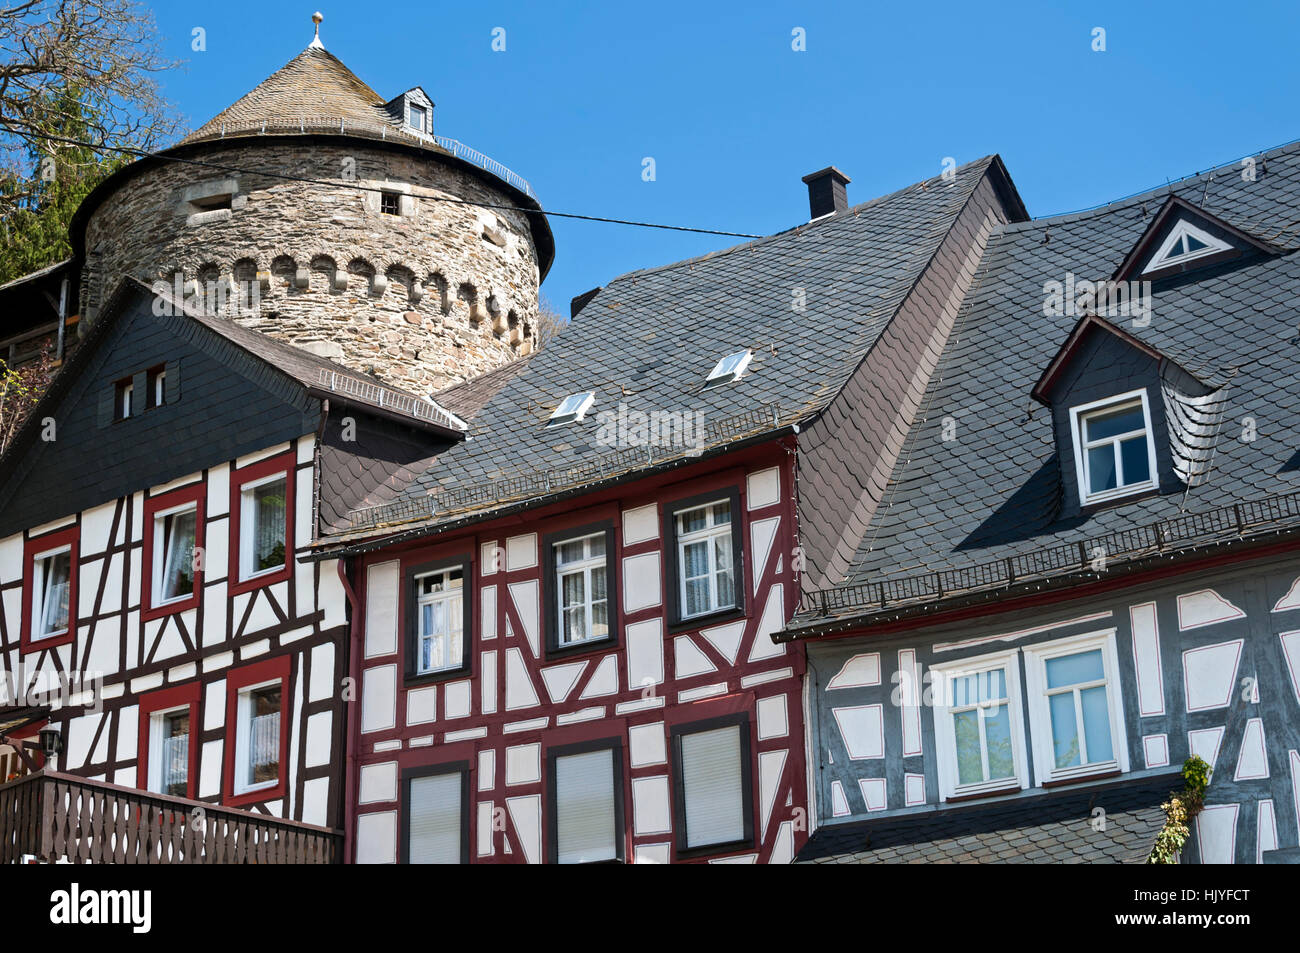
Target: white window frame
<point x="1040" y="716"/>
<point x="942" y="678"/>
<point x="709" y="533"/>
<point x="412" y="109"/>
<point x="39" y="594"/>
<point x="157" y="721"/>
<point x="585" y="566"/>
<point x="1078" y="416"/>
<point x="247" y="532"/>
<point x="160" y="550"/>
<point x="160" y="388"/>
<point x="1213" y="246"/>
<point x="244" y="724"/>
<point x="448" y="595"/>
<point x="128" y="390"/>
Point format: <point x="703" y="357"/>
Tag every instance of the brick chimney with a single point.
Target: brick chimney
<point x="826" y="192"/>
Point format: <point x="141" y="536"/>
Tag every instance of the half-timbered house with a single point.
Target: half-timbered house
<point x="562" y="626"/>
<point x="1084" y="568"/>
<point x="183" y="666"/>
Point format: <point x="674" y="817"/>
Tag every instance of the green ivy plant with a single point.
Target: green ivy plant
<point x="1180" y="810"/>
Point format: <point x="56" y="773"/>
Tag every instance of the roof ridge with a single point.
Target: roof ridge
<point x="853" y="210"/>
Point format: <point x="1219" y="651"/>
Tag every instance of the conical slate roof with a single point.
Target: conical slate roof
<point x="313" y="92"/>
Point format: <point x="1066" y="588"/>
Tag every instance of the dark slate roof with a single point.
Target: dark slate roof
<point x="313" y="86"/>
<point x="649" y="338"/>
<point x="994" y="491"/>
<point x="467" y="398"/>
<point x="1054" y="828"/>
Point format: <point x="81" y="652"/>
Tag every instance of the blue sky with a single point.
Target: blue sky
<point x="733" y="117"/>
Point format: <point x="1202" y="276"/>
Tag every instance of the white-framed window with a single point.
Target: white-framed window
<point x="169" y="751"/>
<point x="729" y="368"/>
<point x="51" y="591"/>
<point x="705" y="561"/>
<point x="157" y="381"/>
<point x="257" y="739"/>
<point x="173" y="553"/>
<point x="416" y="117"/>
<point x="572" y="409"/>
<point x="263" y="537"/>
<point x="123" y="394"/>
<point x="1075" y="713"/>
<point x="586" y="807"/>
<point x="1114" y="447"/>
<point x="582" y="596"/>
<point x="440" y="621"/>
<point x="979" y="736"/>
<point x="1184" y="243"/>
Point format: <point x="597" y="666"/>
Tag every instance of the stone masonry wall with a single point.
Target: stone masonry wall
<point x="436" y="294"/>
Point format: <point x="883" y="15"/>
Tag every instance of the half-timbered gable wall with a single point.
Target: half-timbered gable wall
<point x="520" y="700"/>
<point x="1207" y="663"/>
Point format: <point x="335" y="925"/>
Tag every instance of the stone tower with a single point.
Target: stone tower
<point x="319" y="213"/>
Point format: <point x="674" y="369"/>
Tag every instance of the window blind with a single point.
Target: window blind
<point x="712" y="785"/>
<point x="434" y="825"/>
<point x="585" y="820"/>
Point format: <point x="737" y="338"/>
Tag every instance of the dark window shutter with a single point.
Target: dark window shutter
<point x="139" y="392"/>
<point x="106" y="395"/>
<point x="172" y="384"/>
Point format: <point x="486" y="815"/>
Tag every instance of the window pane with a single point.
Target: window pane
<point x="966" y="731"/>
<point x="176" y="753"/>
<point x="711" y="780"/>
<point x="721" y="514"/>
<point x="691" y="520"/>
<point x="1101" y="468"/>
<point x="573" y="589"/>
<point x="570" y="552"/>
<point x="268" y="525"/>
<point x="56" y="575"/>
<point x="1074" y="669"/>
<point x="575" y="625"/>
<point x="997" y="733"/>
<point x="434" y="821"/>
<point x="1096" y="724"/>
<point x="1065" y="732"/>
<point x="600" y="619"/>
<point x="178" y="561"/>
<point x="596" y="545"/>
<point x="264" y="735"/>
<point x="696" y="562"/>
<point x="697" y="596"/>
<point x="1135" y="460"/>
<point x="584" y="807"/>
<point x="1112" y="422"/>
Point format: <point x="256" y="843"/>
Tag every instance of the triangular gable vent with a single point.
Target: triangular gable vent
<point x="1185" y="243"/>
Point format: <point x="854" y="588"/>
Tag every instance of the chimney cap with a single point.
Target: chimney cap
<point x="831" y="171"/>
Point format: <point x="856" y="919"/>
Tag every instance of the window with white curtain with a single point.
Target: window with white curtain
<point x="440" y="621"/>
<point x="173" y="553"/>
<point x="257" y="746"/>
<point x="705" y="561"/>
<point x="51" y="586"/>
<point x="713" y="786"/>
<point x="169" y="754"/>
<point x="586" y="816"/>
<point x="582" y="599"/>
<point x="263" y="535"/>
<point x="436" y="818"/>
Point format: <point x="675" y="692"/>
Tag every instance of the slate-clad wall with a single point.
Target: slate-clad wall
<point x="421" y="338"/>
<point x="1206" y="704"/>
<point x="222" y="409"/>
<point x="846" y="456"/>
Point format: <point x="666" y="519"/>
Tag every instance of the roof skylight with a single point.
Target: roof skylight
<point x="729" y="369"/>
<point x="572" y="408"/>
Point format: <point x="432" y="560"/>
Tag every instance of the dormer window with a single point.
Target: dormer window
<point x="1114" y="451"/>
<point x="1185" y="243"/>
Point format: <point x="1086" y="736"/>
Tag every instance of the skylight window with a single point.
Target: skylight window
<point x="572" y="408"/>
<point x="729" y="369"/>
<point x="1185" y="243"/>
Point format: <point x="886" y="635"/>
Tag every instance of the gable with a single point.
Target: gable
<point x="1182" y="239"/>
<point x="221" y="404"/>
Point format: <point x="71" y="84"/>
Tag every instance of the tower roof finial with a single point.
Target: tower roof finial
<point x="316" y="44"/>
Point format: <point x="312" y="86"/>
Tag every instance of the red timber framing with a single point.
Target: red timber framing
<point x="293" y="622"/>
<point x="154" y="538"/>
<point x="33" y="547"/>
<point x="239" y="479"/>
<point x="518" y="704"/>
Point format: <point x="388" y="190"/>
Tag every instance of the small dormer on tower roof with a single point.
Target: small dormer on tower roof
<point x="414" y="110"/>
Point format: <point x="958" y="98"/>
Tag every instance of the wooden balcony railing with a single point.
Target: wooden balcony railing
<point x="60" y="817"/>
